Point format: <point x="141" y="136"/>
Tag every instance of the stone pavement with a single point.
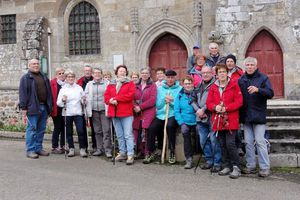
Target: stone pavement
<point x="55" y="177"/>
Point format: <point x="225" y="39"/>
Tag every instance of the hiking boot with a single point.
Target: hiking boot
<point x="158" y="152"/>
<point x="236" y="173"/>
<point x="43" y="153"/>
<point x="264" y="172"/>
<point x="120" y="157"/>
<point x="215" y="169"/>
<point x="241" y="152"/>
<point x="32" y="155"/>
<point x="130" y="160"/>
<point x="108" y="155"/>
<point x="206" y="166"/>
<point x="98" y="152"/>
<point x="172" y="158"/>
<point x="83" y="153"/>
<point x="248" y="171"/>
<point x="56" y="151"/>
<point x="224" y="171"/>
<point x="149" y="158"/>
<point x="71" y="152"/>
<point x="188" y="164"/>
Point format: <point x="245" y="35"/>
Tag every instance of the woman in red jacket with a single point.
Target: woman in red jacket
<point x="224" y="100"/>
<point x="119" y="96"/>
<point x="144" y="109"/>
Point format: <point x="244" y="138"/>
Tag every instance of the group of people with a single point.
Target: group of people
<point x="213" y="99"/>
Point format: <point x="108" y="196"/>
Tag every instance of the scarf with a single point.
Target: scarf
<point x="120" y="82"/>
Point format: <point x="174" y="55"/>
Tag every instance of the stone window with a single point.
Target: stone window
<point x="7" y="29"/>
<point x="84" y="33"/>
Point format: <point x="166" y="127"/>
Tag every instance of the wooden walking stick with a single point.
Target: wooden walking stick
<point x="165" y="134"/>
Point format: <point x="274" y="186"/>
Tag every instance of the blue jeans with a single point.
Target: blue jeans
<point x="124" y="132"/>
<point x="35" y="130"/>
<point x="212" y="149"/>
<point x="256" y="132"/>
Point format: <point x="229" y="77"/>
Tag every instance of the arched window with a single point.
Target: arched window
<point x="84" y="33"/>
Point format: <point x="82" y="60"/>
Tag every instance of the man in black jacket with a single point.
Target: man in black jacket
<point x="36" y="104"/>
<point x="256" y="89"/>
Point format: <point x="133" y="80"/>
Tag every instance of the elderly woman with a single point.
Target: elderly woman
<point x="119" y="97"/>
<point x="224" y="100"/>
<point x="107" y="76"/>
<point x="58" y="120"/>
<point x="135" y="77"/>
<point x="71" y="96"/>
<point x="144" y="109"/>
<point x="186" y="118"/>
<point x="195" y="72"/>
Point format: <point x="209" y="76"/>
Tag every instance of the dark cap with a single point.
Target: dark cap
<point x="196" y="47"/>
<point x="170" y="73"/>
<point x="232" y="57"/>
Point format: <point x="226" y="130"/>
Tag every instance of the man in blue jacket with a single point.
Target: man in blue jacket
<point x="36" y="104"/>
<point x="256" y="89"/>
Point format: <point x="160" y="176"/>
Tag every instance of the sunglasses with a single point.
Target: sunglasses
<point x="61" y="73"/>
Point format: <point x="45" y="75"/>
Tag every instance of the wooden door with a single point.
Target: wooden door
<point x="168" y="52"/>
<point x="268" y="53"/>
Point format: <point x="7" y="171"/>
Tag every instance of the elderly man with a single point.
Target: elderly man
<point x="256" y="89"/>
<point x="210" y="146"/>
<point x="36" y="104"/>
<point x="214" y="55"/>
<point x="191" y="59"/>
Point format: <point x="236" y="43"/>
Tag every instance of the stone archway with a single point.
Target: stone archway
<point x="155" y="31"/>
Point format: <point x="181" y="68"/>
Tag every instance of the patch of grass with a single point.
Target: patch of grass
<point x="290" y="170"/>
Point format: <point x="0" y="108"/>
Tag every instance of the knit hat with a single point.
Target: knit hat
<point x="232" y="57"/>
<point x="170" y="73"/>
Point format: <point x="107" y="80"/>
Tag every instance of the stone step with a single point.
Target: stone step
<point x="283" y="108"/>
<point x="284" y="132"/>
<point x="273" y="121"/>
<point x="285" y="145"/>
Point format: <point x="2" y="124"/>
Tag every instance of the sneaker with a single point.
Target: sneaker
<point x="98" y="152"/>
<point x="32" y="155"/>
<point x="189" y="163"/>
<point x="158" y="152"/>
<point x="56" y="151"/>
<point x="120" y="157"/>
<point x="236" y="173"/>
<point x="43" y="153"/>
<point x="224" y="171"/>
<point x="149" y="158"/>
<point x="206" y="166"/>
<point x="264" y="172"/>
<point x="215" y="169"/>
<point x="83" y="153"/>
<point x="172" y="158"/>
<point x="71" y="152"/>
<point x="130" y="160"/>
<point x="108" y="155"/>
<point x="248" y="171"/>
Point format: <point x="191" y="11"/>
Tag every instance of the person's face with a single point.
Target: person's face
<point x="200" y="61"/>
<point x="171" y="80"/>
<point x="188" y="85"/>
<point x="87" y="72"/>
<point x="60" y="75"/>
<point x="250" y="67"/>
<point x="121" y="72"/>
<point x="222" y="74"/>
<point x="160" y="75"/>
<point x="97" y="75"/>
<point x="206" y="74"/>
<point x="196" y="52"/>
<point x="230" y="63"/>
<point x="213" y="50"/>
<point x="135" y="78"/>
<point x="70" y="79"/>
<point x="34" y="66"/>
<point x="107" y="77"/>
<point x="145" y="75"/>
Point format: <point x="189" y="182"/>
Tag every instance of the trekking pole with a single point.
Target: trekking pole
<point x="165" y="134"/>
<point x="87" y="130"/>
<point x="65" y="123"/>
<point x="114" y="138"/>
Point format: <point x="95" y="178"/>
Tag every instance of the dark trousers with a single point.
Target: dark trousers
<point x="186" y="131"/>
<point x="156" y="130"/>
<point x="59" y="130"/>
<point x="229" y="149"/>
<point x="82" y="138"/>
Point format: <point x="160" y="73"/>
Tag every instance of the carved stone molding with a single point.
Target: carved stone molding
<point x="216" y="36"/>
<point x="134" y="20"/>
<point x="197" y="14"/>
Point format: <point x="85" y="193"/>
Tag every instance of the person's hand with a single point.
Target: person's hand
<point x="200" y="113"/>
<point x="223" y="109"/>
<point x="169" y="99"/>
<point x="64" y="98"/>
<point x="137" y="109"/>
<point x="113" y="101"/>
<point x="218" y="108"/>
<point x="24" y="113"/>
<point x="252" y="89"/>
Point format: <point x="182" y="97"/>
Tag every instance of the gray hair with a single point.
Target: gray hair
<point x="213" y="44"/>
<point x="31" y="61"/>
<point x="98" y="69"/>
<point x="250" y="60"/>
<point x="69" y="72"/>
<point x="145" y="68"/>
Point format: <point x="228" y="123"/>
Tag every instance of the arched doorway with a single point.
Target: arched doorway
<point x="168" y="52"/>
<point x="269" y="56"/>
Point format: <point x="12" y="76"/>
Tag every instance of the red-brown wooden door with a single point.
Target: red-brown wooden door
<point x="268" y="53"/>
<point x="168" y="52"/>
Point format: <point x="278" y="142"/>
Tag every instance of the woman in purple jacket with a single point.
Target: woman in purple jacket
<point x="144" y="110"/>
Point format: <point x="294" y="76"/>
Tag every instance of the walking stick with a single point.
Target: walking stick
<point x="165" y="134"/>
<point x="114" y="138"/>
<point x="87" y="132"/>
<point x="65" y="118"/>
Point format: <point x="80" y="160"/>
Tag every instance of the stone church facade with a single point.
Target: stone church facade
<point x="140" y="33"/>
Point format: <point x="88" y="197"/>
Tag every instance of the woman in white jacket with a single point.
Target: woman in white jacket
<point x="72" y="96"/>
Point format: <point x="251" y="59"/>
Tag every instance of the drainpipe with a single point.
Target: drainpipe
<point x="49" y="53"/>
